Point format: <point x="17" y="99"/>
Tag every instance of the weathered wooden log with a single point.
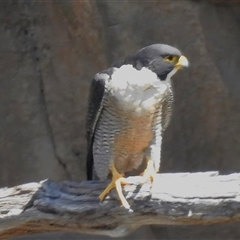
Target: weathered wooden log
<point x="174" y="199"/>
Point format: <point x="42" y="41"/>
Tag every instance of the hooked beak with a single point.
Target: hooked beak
<point x="182" y="62"/>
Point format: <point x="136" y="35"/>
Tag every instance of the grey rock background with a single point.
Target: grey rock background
<point x="49" y="51"/>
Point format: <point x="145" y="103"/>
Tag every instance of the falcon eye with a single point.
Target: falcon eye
<point x="171" y="58"/>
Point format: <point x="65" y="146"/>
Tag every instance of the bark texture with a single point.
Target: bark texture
<point x="187" y="199"/>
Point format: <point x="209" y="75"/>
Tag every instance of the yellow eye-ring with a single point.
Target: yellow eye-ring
<point x="171" y="58"/>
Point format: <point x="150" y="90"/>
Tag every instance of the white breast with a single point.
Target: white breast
<point x="137" y="90"/>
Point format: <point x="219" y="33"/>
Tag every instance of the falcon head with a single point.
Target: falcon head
<point x="162" y="59"/>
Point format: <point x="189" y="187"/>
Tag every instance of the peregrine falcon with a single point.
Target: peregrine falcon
<point x="130" y="106"/>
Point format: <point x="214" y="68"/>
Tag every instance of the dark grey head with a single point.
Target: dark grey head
<point x="162" y="59"/>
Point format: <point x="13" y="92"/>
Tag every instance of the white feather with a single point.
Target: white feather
<point x="137" y="89"/>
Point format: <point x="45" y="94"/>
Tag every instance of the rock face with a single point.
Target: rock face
<point x="50" y="50"/>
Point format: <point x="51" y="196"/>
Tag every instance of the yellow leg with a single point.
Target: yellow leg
<point x="149" y="172"/>
<point x="118" y="184"/>
<point x="117" y="181"/>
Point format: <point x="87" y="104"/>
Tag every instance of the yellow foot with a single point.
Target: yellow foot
<point x="149" y="172"/>
<point x="117" y="181"/>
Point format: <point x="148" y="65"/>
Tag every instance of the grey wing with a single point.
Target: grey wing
<point x="167" y="107"/>
<point x="162" y="119"/>
<point x="95" y="105"/>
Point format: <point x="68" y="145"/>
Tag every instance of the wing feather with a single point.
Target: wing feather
<point x="95" y="106"/>
<point x="167" y="107"/>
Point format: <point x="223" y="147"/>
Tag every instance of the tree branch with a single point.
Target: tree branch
<point x="174" y="199"/>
